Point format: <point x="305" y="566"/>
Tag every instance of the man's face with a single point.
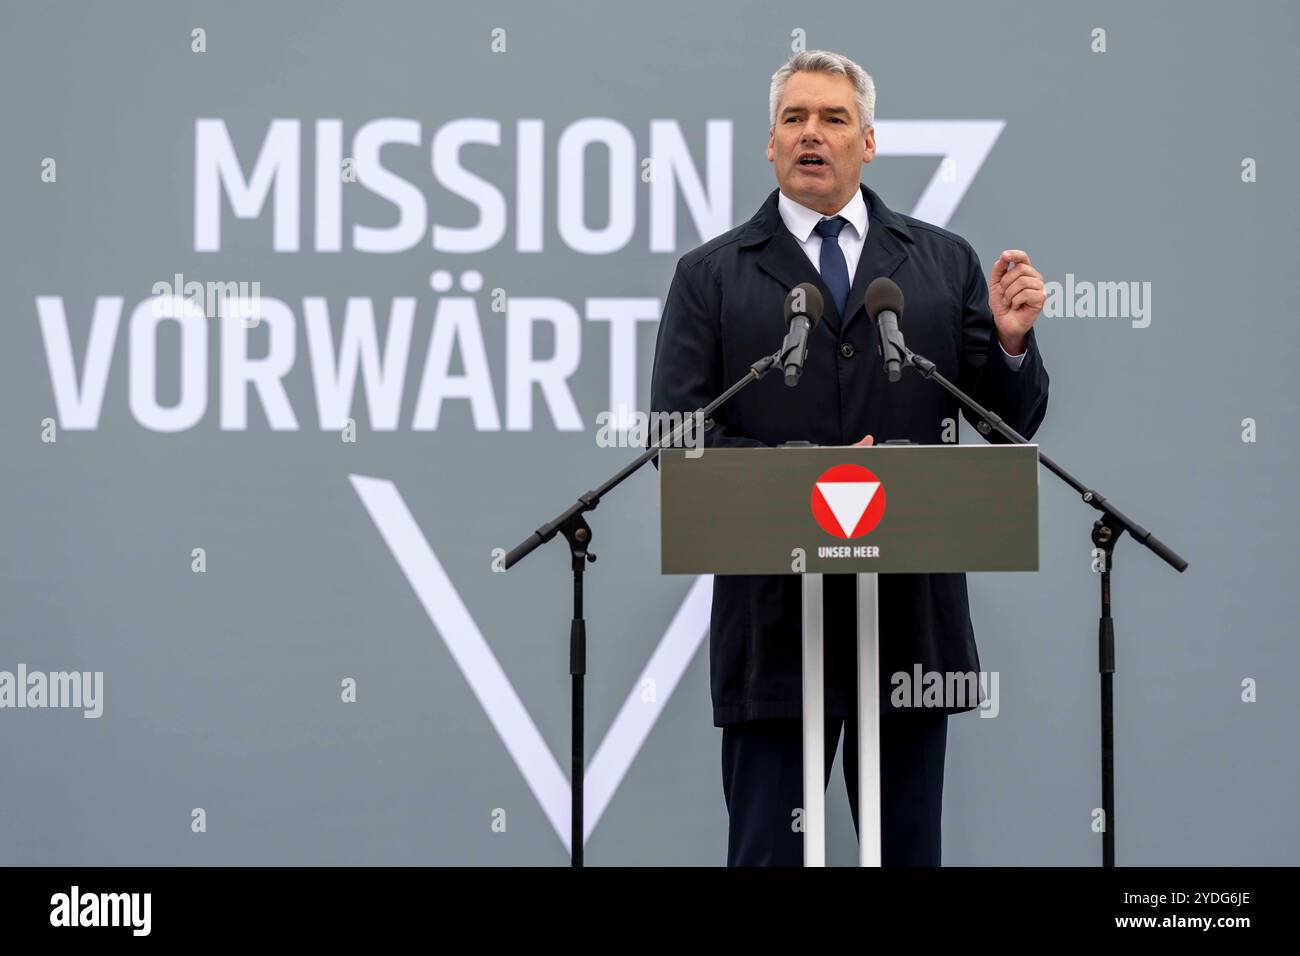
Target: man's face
<point x="818" y="145"/>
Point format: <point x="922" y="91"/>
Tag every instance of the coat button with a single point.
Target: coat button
<point x="847" y="350"/>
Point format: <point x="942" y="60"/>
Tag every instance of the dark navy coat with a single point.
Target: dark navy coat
<point x="723" y="312"/>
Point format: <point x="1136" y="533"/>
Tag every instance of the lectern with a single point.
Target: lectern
<point x="892" y="508"/>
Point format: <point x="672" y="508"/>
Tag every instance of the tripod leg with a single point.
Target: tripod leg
<point x="1103" y="539"/>
<point x="581" y="536"/>
<point x="1106" y="662"/>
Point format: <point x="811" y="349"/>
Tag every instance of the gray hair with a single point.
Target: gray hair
<point x="822" y="61"/>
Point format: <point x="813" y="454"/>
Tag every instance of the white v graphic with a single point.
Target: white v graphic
<point x="606" y="769"/>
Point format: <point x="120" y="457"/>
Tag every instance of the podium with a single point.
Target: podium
<point x="867" y="511"/>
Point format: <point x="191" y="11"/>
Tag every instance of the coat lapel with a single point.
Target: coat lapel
<point x="782" y="258"/>
<point x="785" y="261"/>
<point x="884" y="251"/>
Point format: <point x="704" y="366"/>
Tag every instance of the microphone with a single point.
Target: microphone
<point x="803" y="310"/>
<point x="884" y="302"/>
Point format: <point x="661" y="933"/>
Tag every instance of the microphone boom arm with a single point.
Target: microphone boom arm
<point x="991" y="421"/>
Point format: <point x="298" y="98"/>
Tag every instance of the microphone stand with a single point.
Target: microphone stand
<point x="577" y="532"/>
<point x="1105" y="533"/>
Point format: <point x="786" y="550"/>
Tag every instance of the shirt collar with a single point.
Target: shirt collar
<point x="801" y="221"/>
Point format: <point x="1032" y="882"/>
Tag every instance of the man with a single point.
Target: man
<point x="724" y="312"/>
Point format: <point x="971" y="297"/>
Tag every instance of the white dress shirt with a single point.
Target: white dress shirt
<point x="802" y="223"/>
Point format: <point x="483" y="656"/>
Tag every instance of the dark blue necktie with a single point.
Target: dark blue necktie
<point x="835" y="271"/>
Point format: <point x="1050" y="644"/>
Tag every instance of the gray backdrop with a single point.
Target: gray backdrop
<point x="222" y="690"/>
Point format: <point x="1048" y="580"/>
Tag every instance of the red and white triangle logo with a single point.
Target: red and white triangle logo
<point x="848" y="501"/>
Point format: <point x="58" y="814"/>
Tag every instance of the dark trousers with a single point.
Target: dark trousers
<point x="762" y="781"/>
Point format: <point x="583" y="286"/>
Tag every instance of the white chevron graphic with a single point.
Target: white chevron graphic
<point x="497" y="696"/>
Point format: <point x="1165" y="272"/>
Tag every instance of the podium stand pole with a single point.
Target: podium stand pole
<point x="814" y="722"/>
<point x="869" y="720"/>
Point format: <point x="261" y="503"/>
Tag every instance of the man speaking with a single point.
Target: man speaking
<point x="724" y="311"/>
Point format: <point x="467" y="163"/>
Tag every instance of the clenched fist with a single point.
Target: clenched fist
<point x="1016" y="298"/>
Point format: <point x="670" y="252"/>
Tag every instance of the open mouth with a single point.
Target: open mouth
<point x="811" y="161"/>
